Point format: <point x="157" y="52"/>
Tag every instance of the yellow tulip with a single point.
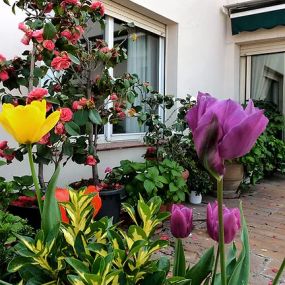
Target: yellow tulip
<point x="28" y="124"/>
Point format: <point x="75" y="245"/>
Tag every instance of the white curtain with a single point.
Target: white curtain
<point x="143" y="61"/>
<point x="267" y="72"/>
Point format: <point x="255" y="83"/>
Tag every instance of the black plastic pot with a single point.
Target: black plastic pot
<point x="32" y="215"/>
<point x="111" y="204"/>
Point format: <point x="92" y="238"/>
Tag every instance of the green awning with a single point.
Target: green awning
<point x="265" y="20"/>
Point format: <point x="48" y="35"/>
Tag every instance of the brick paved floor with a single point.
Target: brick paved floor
<point x="264" y="209"/>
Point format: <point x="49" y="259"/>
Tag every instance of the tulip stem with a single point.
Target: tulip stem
<point x="35" y="179"/>
<point x="279" y="273"/>
<point x="216" y="266"/>
<point x="221" y="231"/>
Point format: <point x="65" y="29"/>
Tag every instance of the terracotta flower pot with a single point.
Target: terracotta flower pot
<point x="232" y="179"/>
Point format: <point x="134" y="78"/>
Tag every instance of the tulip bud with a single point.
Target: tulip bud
<point x="232" y="222"/>
<point x="181" y="222"/>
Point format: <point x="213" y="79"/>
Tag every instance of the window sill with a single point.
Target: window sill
<point x="119" y="145"/>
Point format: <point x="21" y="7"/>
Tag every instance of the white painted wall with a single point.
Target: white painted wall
<point x="201" y="55"/>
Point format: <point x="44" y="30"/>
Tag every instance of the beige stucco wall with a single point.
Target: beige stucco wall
<point x="201" y="54"/>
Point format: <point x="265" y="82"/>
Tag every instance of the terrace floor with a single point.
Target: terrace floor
<point x="264" y="209"/>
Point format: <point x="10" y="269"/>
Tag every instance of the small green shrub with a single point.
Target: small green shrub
<point x="10" y="225"/>
<point x="96" y="252"/>
<point x="11" y="190"/>
<point x="150" y="178"/>
<point x="268" y="155"/>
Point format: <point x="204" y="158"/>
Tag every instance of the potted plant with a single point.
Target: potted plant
<point x="18" y="197"/>
<point x="63" y="59"/>
<point x="233" y="177"/>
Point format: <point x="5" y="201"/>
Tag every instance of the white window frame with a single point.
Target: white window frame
<point x="108" y="129"/>
<point x="246" y="53"/>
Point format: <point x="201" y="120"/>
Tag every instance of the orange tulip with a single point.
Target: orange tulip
<point x="96" y="201"/>
<point x="62" y="195"/>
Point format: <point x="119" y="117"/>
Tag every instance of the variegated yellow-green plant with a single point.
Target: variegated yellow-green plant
<point x="96" y="252"/>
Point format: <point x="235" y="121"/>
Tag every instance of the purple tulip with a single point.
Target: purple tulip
<point x="232" y="223"/>
<point x="181" y="221"/>
<point x="223" y="130"/>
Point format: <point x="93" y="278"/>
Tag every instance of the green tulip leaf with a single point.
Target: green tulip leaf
<point x="2" y="163"/>
<point x="200" y="271"/>
<point x="179" y="267"/>
<point x="51" y="216"/>
<point x="240" y="275"/>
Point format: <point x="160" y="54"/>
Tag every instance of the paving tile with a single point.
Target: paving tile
<point x="264" y="209"/>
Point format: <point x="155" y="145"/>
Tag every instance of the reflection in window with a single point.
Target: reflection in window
<point x="267" y="78"/>
<point x="143" y="60"/>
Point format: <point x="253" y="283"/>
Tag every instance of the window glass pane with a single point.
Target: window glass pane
<point x="143" y="59"/>
<point x="267" y="78"/>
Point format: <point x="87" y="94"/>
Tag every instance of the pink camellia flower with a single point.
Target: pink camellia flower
<point x="66" y="114"/>
<point x="71" y="2"/>
<point x="61" y="62"/>
<point x="67" y="34"/>
<point x="223" y="130"/>
<point x="48" y="8"/>
<point x="108" y="170"/>
<point x="105" y="50"/>
<point x="4" y="75"/>
<point x="114" y="97"/>
<point x="25" y="40"/>
<point x="2" y="58"/>
<point x="121" y="115"/>
<point x="49" y="45"/>
<point x="37" y="94"/>
<point x="83" y="101"/>
<point x="59" y="129"/>
<point x="90" y="160"/>
<point x="45" y="139"/>
<point x="77" y="34"/>
<point x="181" y="221"/>
<point x="76" y="106"/>
<point x="23" y="27"/>
<point x="97" y="5"/>
<point x="38" y="35"/>
<point x="3" y="145"/>
<point x="232" y="222"/>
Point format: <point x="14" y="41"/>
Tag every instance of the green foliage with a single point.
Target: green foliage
<point x="180" y="147"/>
<point x="151" y="178"/>
<point x="9" y="225"/>
<point x="96" y="252"/>
<point x="10" y="190"/>
<point x="268" y="155"/>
